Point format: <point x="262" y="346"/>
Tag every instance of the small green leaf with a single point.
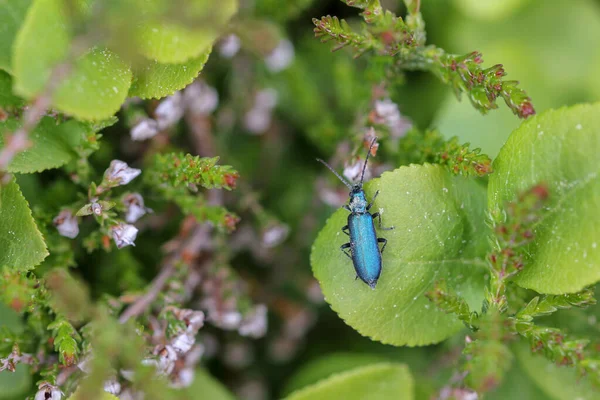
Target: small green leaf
<point x="379" y="381"/>
<point x="188" y="35"/>
<point x="94" y="88"/>
<point x="558" y="148"/>
<point x="209" y="387"/>
<point x="156" y="80"/>
<point x="18" y="231"/>
<point x="558" y="382"/>
<point x="12" y="14"/>
<point x="52" y="144"/>
<point x="324" y="367"/>
<point x="440" y="233"/>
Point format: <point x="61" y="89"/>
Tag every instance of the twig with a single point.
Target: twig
<point x="197" y="241"/>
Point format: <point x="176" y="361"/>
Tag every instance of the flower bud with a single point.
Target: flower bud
<point x="200" y="98"/>
<point x="229" y="46"/>
<point x="66" y="224"/>
<point x="134" y="203"/>
<point x="145" y="129"/>
<point x="169" y="111"/>
<point x="124" y="234"/>
<point x="254" y="323"/>
<point x="281" y="57"/>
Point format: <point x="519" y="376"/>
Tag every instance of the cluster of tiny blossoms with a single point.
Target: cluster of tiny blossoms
<point x="123" y="232"/>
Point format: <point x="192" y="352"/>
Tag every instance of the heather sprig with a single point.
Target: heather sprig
<point x="386" y="34"/>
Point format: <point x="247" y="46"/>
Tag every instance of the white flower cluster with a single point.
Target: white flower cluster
<point x="124" y="234"/>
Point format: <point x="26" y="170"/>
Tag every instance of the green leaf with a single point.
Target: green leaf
<point x="52" y="144"/>
<point x="12" y="14"/>
<point x="559" y="383"/>
<point x="209" y="387"/>
<point x="379" y="381"/>
<point x="7" y="98"/>
<point x="18" y="231"/>
<point x="560" y="149"/>
<point x="325" y="366"/>
<point x="440" y="234"/>
<point x="193" y="30"/>
<point x="103" y="396"/>
<point x="96" y="86"/>
<point x="156" y="80"/>
<point x="15" y="384"/>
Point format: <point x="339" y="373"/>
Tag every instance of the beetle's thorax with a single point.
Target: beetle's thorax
<point x="358" y="201"/>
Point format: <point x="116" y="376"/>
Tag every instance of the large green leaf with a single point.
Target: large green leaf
<point x="440" y="234"/>
<point x="557" y="382"/>
<point x="381" y="381"/>
<point x="12" y="14"/>
<point x="95" y="86"/>
<point x="21" y="244"/>
<point x="156" y="80"/>
<point x="190" y="33"/>
<point x="51" y="144"/>
<point x="324" y="367"/>
<point x="560" y="148"/>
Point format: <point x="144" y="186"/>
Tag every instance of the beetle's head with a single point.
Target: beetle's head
<point x="358" y="200"/>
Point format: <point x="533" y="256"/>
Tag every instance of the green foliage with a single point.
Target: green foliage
<point x="430" y="146"/>
<point x="18" y="231"/>
<point x="208" y="271"/>
<point x="155" y="80"/>
<point x="175" y="41"/>
<point x="52" y="145"/>
<point x="65" y="340"/>
<point x="192" y="171"/>
<point x="376" y="381"/>
<point x="442" y="218"/>
<point x="12" y="14"/>
<point x="557" y="148"/>
<point x="326" y="366"/>
<point x="556" y="382"/>
<point x="389" y="35"/>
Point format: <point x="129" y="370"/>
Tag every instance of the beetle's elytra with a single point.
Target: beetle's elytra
<point x="363" y="248"/>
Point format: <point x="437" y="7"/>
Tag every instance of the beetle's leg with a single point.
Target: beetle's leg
<point x="384" y="241"/>
<point x="378" y="216"/>
<point x="346" y="230"/>
<point x="346" y="207"/>
<point x="343" y="249"/>
<point x="372" y="201"/>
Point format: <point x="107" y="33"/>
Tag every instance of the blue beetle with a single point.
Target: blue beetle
<point x="363" y="248"/>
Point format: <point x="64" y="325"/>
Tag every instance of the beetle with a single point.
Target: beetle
<point x="363" y="248"/>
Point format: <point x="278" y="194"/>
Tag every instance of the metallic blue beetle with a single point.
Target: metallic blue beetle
<point x="363" y="248"/>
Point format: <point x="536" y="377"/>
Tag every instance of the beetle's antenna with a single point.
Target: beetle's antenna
<point x="362" y="176"/>
<point x="336" y="174"/>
